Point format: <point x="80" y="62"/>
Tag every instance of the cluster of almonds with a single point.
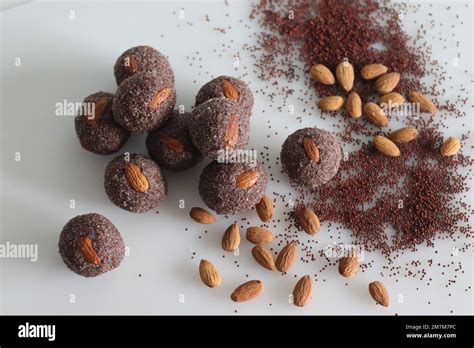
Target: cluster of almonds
<point x="286" y="258"/>
<point x="384" y="85"/>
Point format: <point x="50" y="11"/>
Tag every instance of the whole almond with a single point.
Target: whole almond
<point x="386" y="146"/>
<point x="231" y="238"/>
<point x="426" y="105"/>
<point x="348" y="265"/>
<point x="130" y="65"/>
<point x="450" y="147"/>
<point x="99" y="108"/>
<point x="247" y="179"/>
<point x="172" y="143"/>
<point x="372" y="71"/>
<point x="159" y="98"/>
<point x="231" y="134"/>
<point x="345" y="75"/>
<point x="387" y="82"/>
<point x="391" y="100"/>
<point x="375" y="115"/>
<point x="85" y="247"/>
<point x="311" y="149"/>
<point x="247" y="291"/>
<point x="209" y="274"/>
<point x="136" y="179"/>
<point x="322" y="74"/>
<point x="202" y="216"/>
<point x="403" y="135"/>
<point x="379" y="293"/>
<point x="308" y="220"/>
<point x="264" y="257"/>
<point x="354" y="105"/>
<point x="303" y="291"/>
<point x="259" y="235"/>
<point x="229" y="90"/>
<point x="264" y="209"/>
<point x="286" y="257"/>
<point x="331" y="103"/>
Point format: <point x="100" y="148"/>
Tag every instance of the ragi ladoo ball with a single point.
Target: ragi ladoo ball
<point x="170" y="146"/>
<point x="228" y="87"/>
<point x="96" y="128"/>
<point x="135" y="184"/>
<point x="229" y="188"/>
<point x="91" y="245"/>
<point x="139" y="59"/>
<point x="311" y="157"/>
<point x="219" y="124"/>
<point x="144" y="101"/>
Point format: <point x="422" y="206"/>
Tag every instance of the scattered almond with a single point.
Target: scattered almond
<point x="231" y="135"/>
<point x="264" y="209"/>
<point x="286" y="257"/>
<point x="387" y="82"/>
<point x="247" y="291"/>
<point x="130" y="64"/>
<point x="354" y="105"/>
<point x="386" y="146"/>
<point x="84" y="245"/>
<point x="403" y="135"/>
<point x="450" y="147"/>
<point x="229" y="90"/>
<point x="247" y="179"/>
<point x="172" y="143"/>
<point x="426" y="105"/>
<point x="345" y="75"/>
<point x="209" y="274"/>
<point x="303" y="291"/>
<point x="264" y="257"/>
<point x="308" y="220"/>
<point x="159" y="98"/>
<point x="136" y="179"/>
<point x="259" y="235"/>
<point x="379" y="293"/>
<point x="322" y="74"/>
<point x="331" y="103"/>
<point x="348" y="265"/>
<point x="99" y="108"/>
<point x="202" y="216"/>
<point x="391" y="100"/>
<point x="311" y="149"/>
<point x="375" y="114"/>
<point x="231" y="238"/>
<point x="372" y="71"/>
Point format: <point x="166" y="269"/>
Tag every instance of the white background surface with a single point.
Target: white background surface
<point x="63" y="58"/>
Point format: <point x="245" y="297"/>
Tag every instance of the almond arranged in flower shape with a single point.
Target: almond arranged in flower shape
<point x="159" y="98"/>
<point x="391" y="100"/>
<point x="202" y="216"/>
<point x="84" y="245"/>
<point x="450" y="147"/>
<point x="311" y="149"/>
<point x="229" y="90"/>
<point x="264" y="209"/>
<point x="136" y="179"/>
<point x="264" y="257"/>
<point x="99" y="108"/>
<point x="286" y="257"/>
<point x="354" y="105"/>
<point x="386" y="146"/>
<point x="303" y="291"/>
<point x="171" y="143"/>
<point x="130" y="64"/>
<point x="403" y="135"/>
<point x="379" y="293"/>
<point x="372" y="71"/>
<point x="322" y="74"/>
<point x="375" y="115"/>
<point x="387" y="82"/>
<point x="209" y="274"/>
<point x="331" y="103"/>
<point x="426" y="105"/>
<point x="247" y="291"/>
<point x="345" y="75"/>
<point x="231" y="238"/>
<point x="247" y="179"/>
<point x="259" y="235"/>
<point x="231" y="134"/>
<point x="348" y="265"/>
<point x="308" y="220"/>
